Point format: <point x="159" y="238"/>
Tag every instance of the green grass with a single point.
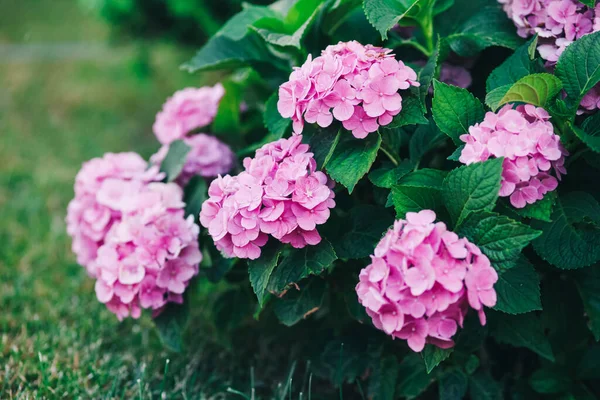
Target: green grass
<point x="56" y="340"/>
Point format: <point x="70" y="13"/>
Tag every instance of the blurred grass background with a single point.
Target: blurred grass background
<point x="70" y="92"/>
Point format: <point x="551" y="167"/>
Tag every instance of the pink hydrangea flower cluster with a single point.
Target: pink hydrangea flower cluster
<point x="355" y="84"/>
<point x="280" y="193"/>
<point x="130" y="233"/>
<point x="208" y="157"/>
<point x="102" y="191"/>
<point x="149" y="257"/>
<point x="558" y="23"/>
<point x="188" y="109"/>
<point x="525" y="138"/>
<point x="422" y="280"/>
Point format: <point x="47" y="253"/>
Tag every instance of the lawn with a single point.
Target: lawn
<point x="67" y="96"/>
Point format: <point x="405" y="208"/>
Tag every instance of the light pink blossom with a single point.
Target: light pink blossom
<point x="525" y="138"/>
<point x="422" y="280"/>
<point x="346" y="82"/>
<point x="188" y="109"/>
<point x="280" y="194"/>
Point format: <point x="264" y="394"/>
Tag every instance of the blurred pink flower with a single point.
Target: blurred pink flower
<point x="188" y="109"/>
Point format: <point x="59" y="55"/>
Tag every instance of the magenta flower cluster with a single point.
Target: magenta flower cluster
<point x="280" y="193"/>
<point x="422" y="280"/>
<point x="130" y="233"/>
<point x="187" y="110"/>
<point x="208" y="157"/>
<point x="355" y="84"/>
<point x="558" y="23"/>
<point x="525" y="138"/>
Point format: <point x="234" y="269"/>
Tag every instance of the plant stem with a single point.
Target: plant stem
<point x="426" y="26"/>
<point x="389" y="155"/>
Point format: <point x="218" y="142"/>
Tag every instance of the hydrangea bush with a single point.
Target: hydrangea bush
<point x="409" y="187"/>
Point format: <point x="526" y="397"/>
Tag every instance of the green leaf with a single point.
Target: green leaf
<point x="214" y="266"/>
<point x="299" y="304"/>
<point x="386" y="177"/>
<point x="591" y="125"/>
<point x="424" y="178"/>
<point x="472" y="188"/>
<point x="352" y="159"/>
<point x="382" y="384"/>
<point x="579" y="67"/>
<point x="589" y="365"/>
<point x="588" y="284"/>
<point x="455" y="110"/>
<point x="489" y="27"/>
<point x="343" y="360"/>
<point x="441" y="6"/>
<point x="338" y="13"/>
<point x="433" y="356"/>
<point x="194" y="194"/>
<point x="452" y="19"/>
<point x="424" y="139"/>
<point x="414" y="199"/>
<point x="413" y="377"/>
<point x="290" y="30"/>
<point x="518" y="289"/>
<point x="541" y="209"/>
<point x="237" y="26"/>
<point x="453" y="385"/>
<point x="550" y="380"/>
<point x="591" y="141"/>
<point x="227" y="120"/>
<point x="483" y="387"/>
<point x="455" y="156"/>
<point x="418" y="191"/>
<point x="300" y="263"/>
<point x="536" y="89"/>
<point x="524" y="330"/>
<point x="499" y="237"/>
<point x="222" y="52"/>
<point x="322" y="143"/>
<point x="261" y="269"/>
<point x="493" y="98"/>
<point x="515" y="67"/>
<point x="361" y="231"/>
<point x="274" y="122"/>
<point x="412" y="113"/>
<point x="171" y="323"/>
<point x="427" y="73"/>
<point x="174" y="160"/>
<point x="385" y="14"/>
<point x="572" y="239"/>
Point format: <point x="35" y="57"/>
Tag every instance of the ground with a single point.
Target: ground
<point x="69" y="92"/>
